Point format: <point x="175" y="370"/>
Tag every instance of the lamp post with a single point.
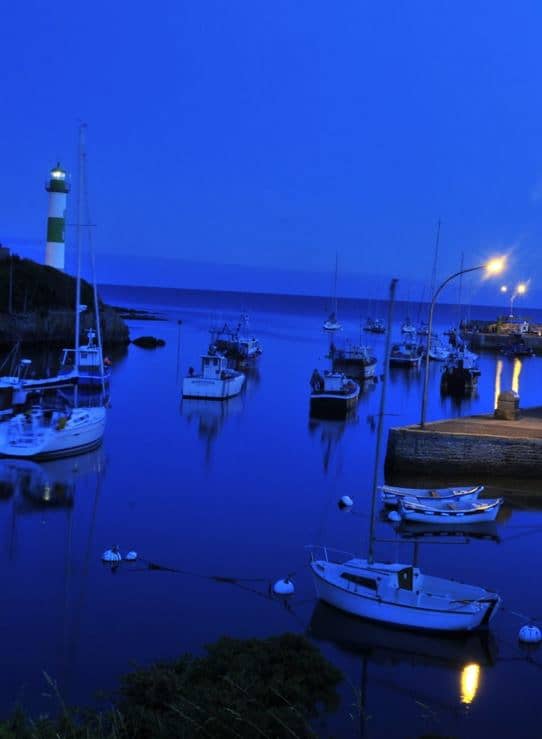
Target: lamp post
<point x="493" y="267"/>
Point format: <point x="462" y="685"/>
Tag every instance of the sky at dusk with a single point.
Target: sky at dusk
<point x="240" y="144"/>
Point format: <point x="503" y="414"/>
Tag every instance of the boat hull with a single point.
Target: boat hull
<point x="333" y="405"/>
<point x="450" y="518"/>
<point x="213" y="389"/>
<point x="355" y="368"/>
<point x="408" y="615"/>
<point x="83" y="432"/>
<point x="391" y="496"/>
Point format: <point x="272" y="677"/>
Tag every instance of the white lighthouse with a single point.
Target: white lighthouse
<point x="58" y="189"/>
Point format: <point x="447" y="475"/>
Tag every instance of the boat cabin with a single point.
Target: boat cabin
<point x="213" y="366"/>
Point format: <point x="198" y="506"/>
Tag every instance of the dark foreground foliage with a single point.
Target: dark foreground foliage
<point x="242" y="688"/>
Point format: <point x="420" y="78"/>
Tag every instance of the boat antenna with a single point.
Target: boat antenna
<point x="393" y="285"/>
<point x="94" y="282"/>
<point x="78" y="222"/>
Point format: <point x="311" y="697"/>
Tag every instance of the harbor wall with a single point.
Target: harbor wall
<point x="411" y="449"/>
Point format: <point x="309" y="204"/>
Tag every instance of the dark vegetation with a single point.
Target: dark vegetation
<point x="37" y="288"/>
<point x="242" y="688"/>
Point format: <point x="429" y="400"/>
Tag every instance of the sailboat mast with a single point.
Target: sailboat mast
<point x="393" y="285"/>
<point x="78" y="227"/>
<point x="335" y="284"/>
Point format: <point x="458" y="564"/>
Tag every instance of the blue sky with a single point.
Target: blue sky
<point x="271" y="134"/>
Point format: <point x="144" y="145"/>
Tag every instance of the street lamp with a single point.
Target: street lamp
<point x="492" y="267"/>
<point x="521" y="289"/>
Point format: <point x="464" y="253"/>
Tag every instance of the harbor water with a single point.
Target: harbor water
<point x="225" y="496"/>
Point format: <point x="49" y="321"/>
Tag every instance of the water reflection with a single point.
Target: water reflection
<point x="432" y="657"/>
<point x="500" y="383"/>
<point x="209" y="416"/>
<point x="330" y="433"/>
<point x="47" y="485"/>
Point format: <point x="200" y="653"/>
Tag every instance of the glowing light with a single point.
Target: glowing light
<point x="495" y="266"/>
<point x="498" y="376"/>
<point x="516" y="372"/>
<point x="504" y="289"/>
<point x="521" y="289"/>
<point x="470" y="680"/>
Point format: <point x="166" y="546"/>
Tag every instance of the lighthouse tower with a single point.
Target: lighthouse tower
<point x="58" y="189"/>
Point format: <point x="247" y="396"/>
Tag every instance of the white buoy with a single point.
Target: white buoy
<point x="394" y="516"/>
<point x="346" y="502"/>
<point x="112" y="555"/>
<point x="131" y="556"/>
<point x="284" y="587"/>
<point x="530" y="634"/>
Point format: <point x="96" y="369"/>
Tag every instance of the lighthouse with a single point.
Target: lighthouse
<point x="58" y="189"/>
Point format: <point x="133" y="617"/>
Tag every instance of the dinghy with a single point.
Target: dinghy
<point x="391" y="496"/>
<point x="449" y="512"/>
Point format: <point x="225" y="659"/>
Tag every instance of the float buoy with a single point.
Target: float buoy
<point x="284" y="587"/>
<point x="131" y="556"/>
<point x="394" y="516"/>
<point x="346" y="502"/>
<point x="530" y="634"/>
<point x="112" y="555"/>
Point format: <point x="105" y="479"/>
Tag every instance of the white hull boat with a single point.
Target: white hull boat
<point x="392" y="496"/>
<point x="450" y="512"/>
<point x="215" y="382"/>
<point x="332" y="324"/>
<point x="43" y="434"/>
<point x="407" y="354"/>
<point x="401" y="595"/>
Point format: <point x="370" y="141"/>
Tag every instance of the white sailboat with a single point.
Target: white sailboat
<point x="45" y="433"/>
<point x="332" y="322"/>
<point x="397" y="593"/>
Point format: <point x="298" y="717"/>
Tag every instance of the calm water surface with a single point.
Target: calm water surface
<point x="236" y="490"/>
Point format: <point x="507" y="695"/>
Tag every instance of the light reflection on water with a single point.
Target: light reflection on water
<point x="236" y="490"/>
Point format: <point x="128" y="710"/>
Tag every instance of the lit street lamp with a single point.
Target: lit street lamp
<point x="493" y="267"/>
<point x="521" y="289"/>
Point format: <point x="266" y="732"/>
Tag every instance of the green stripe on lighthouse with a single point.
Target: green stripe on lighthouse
<point x="55" y="230"/>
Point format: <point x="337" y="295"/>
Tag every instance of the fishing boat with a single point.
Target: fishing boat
<point x="406" y="354"/>
<point x="355" y="360"/>
<point x="392" y="495"/>
<point x="460" y="375"/>
<point x="333" y="394"/>
<point x="332" y="322"/>
<point x="93" y="370"/>
<point x="216" y="381"/>
<point x="236" y="343"/>
<point x="396" y="593"/>
<point x="449" y="511"/>
<point x="375" y="326"/>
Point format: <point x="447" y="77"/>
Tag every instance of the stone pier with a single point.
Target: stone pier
<point x="477" y="445"/>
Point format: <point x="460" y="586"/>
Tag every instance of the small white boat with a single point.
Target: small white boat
<point x="400" y="594"/>
<point x="332" y="323"/>
<point x="438" y="351"/>
<point x="216" y="381"/>
<point x="392" y="495"/>
<point x="43" y="434"/>
<point x="333" y="394"/>
<point x="449" y="511"/>
<point x="408" y="327"/>
<point x="406" y="354"/>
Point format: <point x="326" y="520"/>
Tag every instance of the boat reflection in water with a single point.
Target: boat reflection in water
<point x="330" y="433"/>
<point x="210" y="417"/>
<point x="48" y="485"/>
<point x="383" y="646"/>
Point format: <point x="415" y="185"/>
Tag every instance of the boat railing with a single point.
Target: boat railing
<point x="319" y="551"/>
